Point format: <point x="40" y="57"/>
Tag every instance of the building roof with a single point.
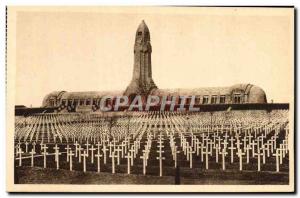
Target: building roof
<point x="90" y="94"/>
<point x="203" y="90"/>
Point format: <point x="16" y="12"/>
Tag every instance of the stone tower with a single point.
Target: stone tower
<point x="142" y="82"/>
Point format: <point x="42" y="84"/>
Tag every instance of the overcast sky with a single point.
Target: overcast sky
<point x="92" y="50"/>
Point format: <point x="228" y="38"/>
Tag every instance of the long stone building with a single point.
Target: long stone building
<point x="143" y="84"/>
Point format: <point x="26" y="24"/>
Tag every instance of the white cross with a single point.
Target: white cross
<point x="67" y="149"/>
<point x="129" y="157"/>
<point x="26" y="147"/>
<point x="17" y="147"/>
<point x="190" y="152"/>
<point x="76" y="148"/>
<point x="214" y="136"/>
<point x="32" y="157"/>
<point x="277" y="154"/>
<point x="98" y="145"/>
<point x="217" y="147"/>
<point x="33" y="146"/>
<point x="264" y="148"/>
<point x="202" y="152"/>
<point x="126" y="145"/>
<point x="131" y="151"/>
<point x="146" y="152"/>
<point x="113" y="156"/>
<point x="160" y="158"/>
<point x="231" y="150"/>
<point x="225" y="143"/>
<point x="110" y="147"/>
<point x="114" y="141"/>
<point x="240" y="154"/>
<point x="226" y="136"/>
<point x="79" y="153"/>
<point x="238" y="143"/>
<point x="98" y="155"/>
<point x="253" y="147"/>
<point x="104" y="149"/>
<point x="247" y="152"/>
<point x="231" y="140"/>
<point x="258" y="154"/>
<point x="273" y="138"/>
<point x="250" y="137"/>
<point x="56" y="148"/>
<point x="223" y="153"/>
<point x="206" y="156"/>
<point x="144" y="158"/>
<point x="118" y="150"/>
<point x="57" y="154"/>
<point x="69" y="156"/>
<point x="84" y="155"/>
<point x="245" y="141"/>
<point x="268" y="144"/>
<point x="20" y="152"/>
<point x="281" y="153"/>
<point x="285" y="145"/>
<point x="45" y="155"/>
<point x="219" y="141"/>
<point x="197" y="144"/>
<point x="92" y="149"/>
<point x="87" y="147"/>
<point x="123" y="147"/>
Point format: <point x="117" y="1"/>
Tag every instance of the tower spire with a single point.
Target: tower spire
<point x="142" y="82"/>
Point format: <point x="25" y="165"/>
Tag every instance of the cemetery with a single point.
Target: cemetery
<point x="153" y="147"/>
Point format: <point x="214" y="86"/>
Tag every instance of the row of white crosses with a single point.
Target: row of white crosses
<point x="174" y="148"/>
<point x="113" y="156"/>
<point x="200" y="144"/>
<point x="160" y="151"/>
<point x="257" y="146"/>
<point x="146" y="152"/>
<point x="60" y="126"/>
<point x="188" y="150"/>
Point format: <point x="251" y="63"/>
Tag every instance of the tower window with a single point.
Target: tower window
<point x="140" y="33"/>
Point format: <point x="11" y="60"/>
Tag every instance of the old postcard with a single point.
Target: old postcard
<point x="150" y="99"/>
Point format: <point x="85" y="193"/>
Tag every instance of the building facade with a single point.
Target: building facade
<point x="143" y="84"/>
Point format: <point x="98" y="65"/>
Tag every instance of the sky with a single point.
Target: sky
<point x="91" y="49"/>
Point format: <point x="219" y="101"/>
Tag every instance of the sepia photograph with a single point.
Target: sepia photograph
<point x="150" y="99"/>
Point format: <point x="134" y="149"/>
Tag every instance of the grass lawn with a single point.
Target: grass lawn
<point x="37" y="175"/>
